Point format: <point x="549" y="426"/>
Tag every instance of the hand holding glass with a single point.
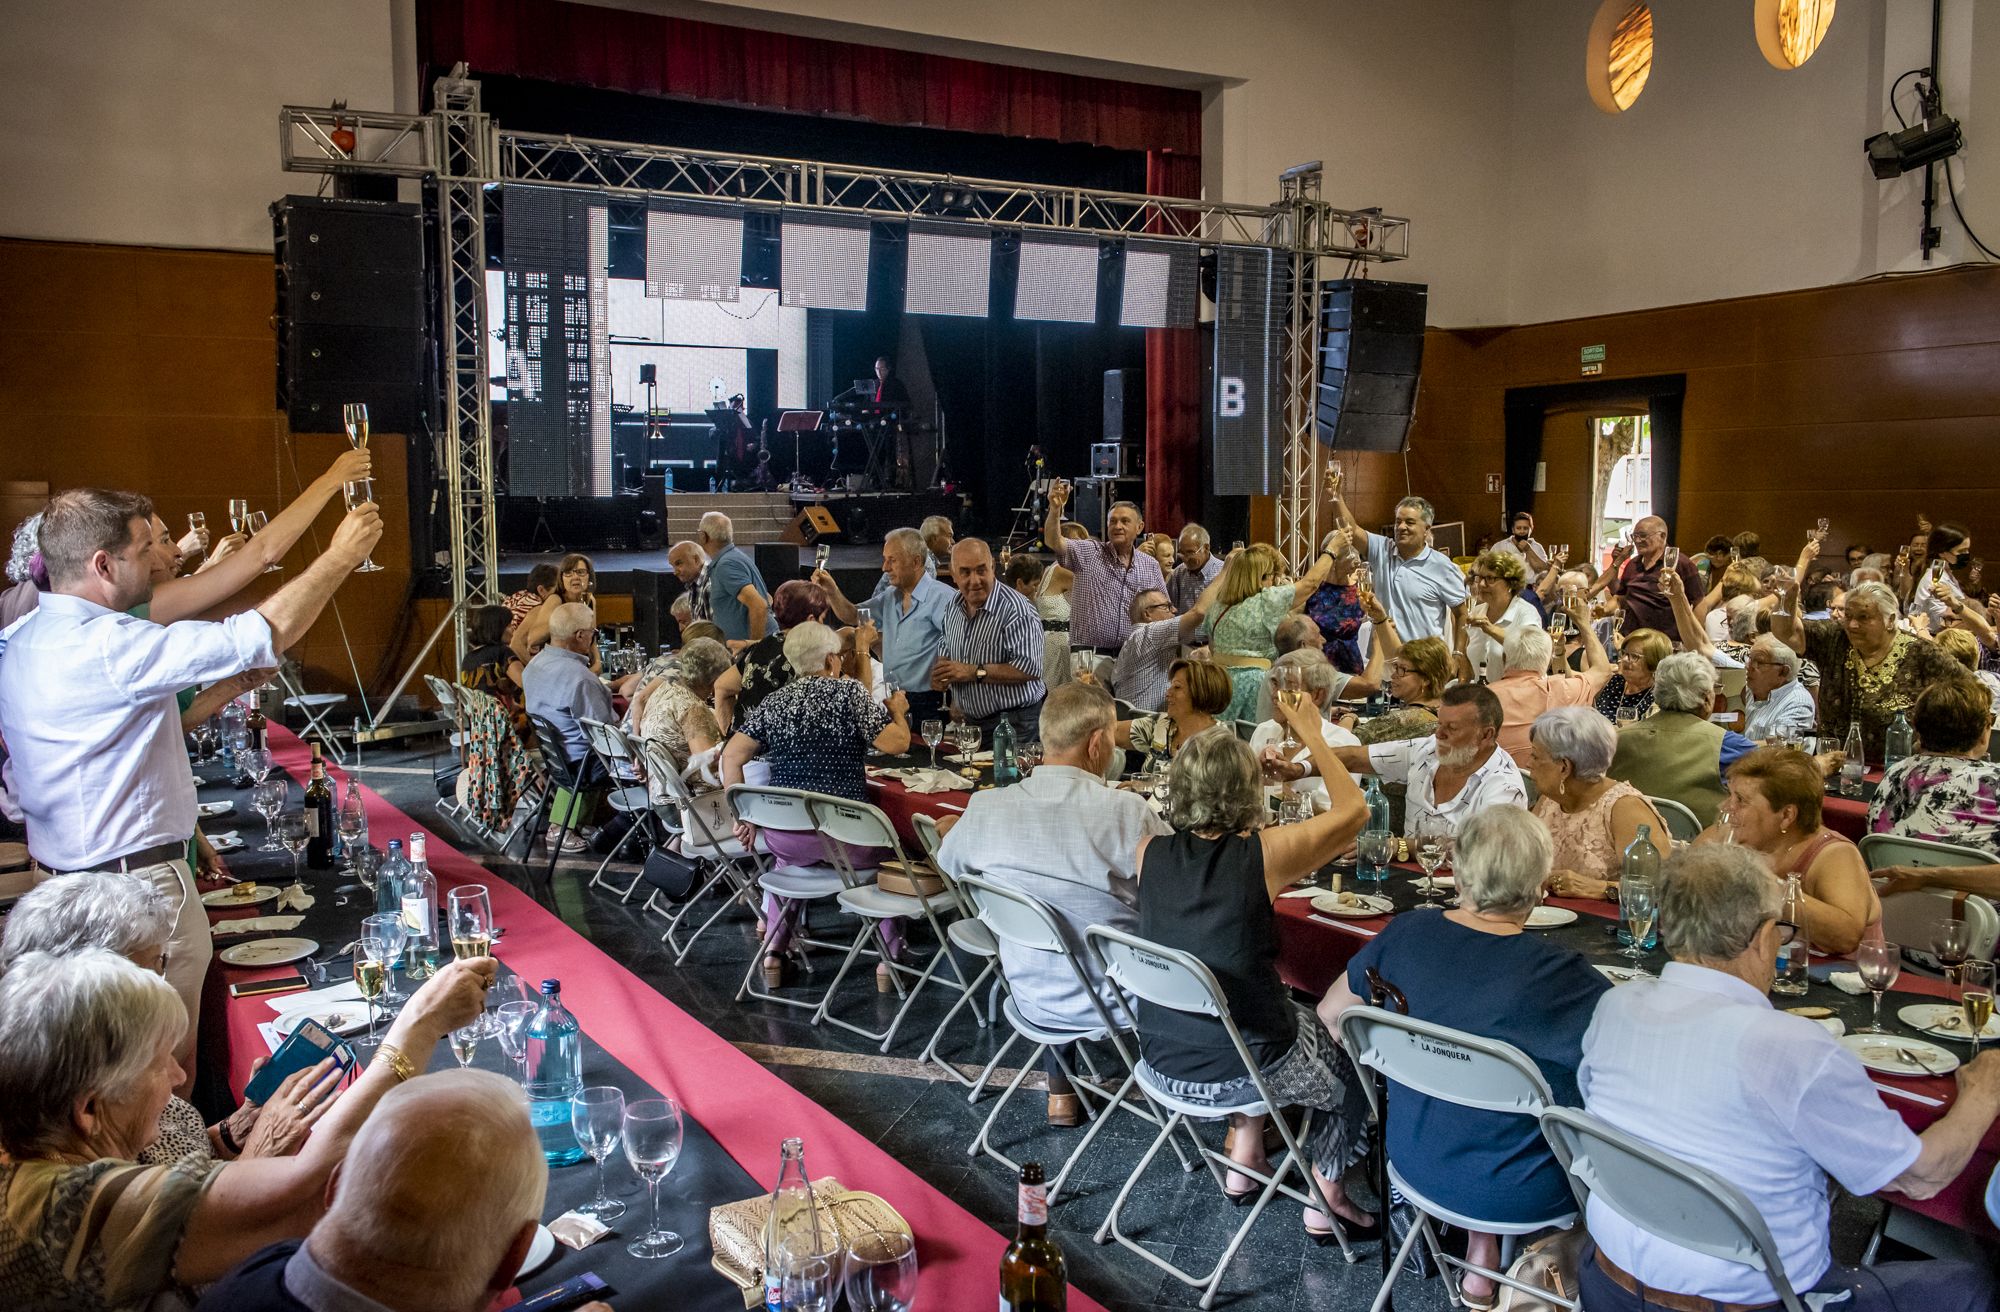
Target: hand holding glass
<point x="371" y="975"/>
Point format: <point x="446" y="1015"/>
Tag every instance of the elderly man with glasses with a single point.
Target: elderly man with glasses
<point x="1775" y="703"/>
<point x="1638" y="585"/>
<point x="1146" y="659"/>
<point x="558" y="685"/>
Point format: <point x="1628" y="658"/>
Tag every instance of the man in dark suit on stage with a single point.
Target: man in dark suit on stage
<point x="889" y="389"/>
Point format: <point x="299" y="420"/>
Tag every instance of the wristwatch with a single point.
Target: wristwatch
<point x="979" y="674"/>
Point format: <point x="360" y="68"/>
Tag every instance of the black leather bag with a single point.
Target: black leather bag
<point x="673" y="876"/>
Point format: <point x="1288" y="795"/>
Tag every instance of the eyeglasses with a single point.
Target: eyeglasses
<point x="1401" y="667"/>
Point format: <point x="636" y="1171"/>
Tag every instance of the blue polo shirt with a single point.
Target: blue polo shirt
<point x="727" y="573"/>
<point x="911" y="636"/>
<point x="1420" y="592"/>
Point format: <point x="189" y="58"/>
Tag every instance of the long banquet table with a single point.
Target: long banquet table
<point x="1313" y="952"/>
<point x="738" y="1112"/>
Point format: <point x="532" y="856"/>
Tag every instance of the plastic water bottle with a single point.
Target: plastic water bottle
<point x="1793" y="957"/>
<point x="1006" y="764"/>
<point x="1896" y="742"/>
<point x="419" y="900"/>
<point x="554" y="1073"/>
<point x="1641" y="865"/>
<point x="1378" y="824"/>
<point x="1854" y="769"/>
<point x="235" y="734"/>
<point x="389" y="877"/>
<point x="794" y="1223"/>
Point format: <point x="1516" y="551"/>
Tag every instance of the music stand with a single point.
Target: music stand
<point x="796" y="422"/>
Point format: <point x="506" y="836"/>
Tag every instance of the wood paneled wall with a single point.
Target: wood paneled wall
<point x="1864" y="403"/>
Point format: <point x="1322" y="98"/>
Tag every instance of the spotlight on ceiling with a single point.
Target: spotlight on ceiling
<point x="1892" y="154"/>
<point x="951" y="198"/>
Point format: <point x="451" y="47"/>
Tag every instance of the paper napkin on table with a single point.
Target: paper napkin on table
<point x="923" y="779"/>
<point x="295" y="898"/>
<point x="256" y="925"/>
<point x="1847" y="981"/>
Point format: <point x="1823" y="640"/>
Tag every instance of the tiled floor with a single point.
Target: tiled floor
<point x="925" y="1121"/>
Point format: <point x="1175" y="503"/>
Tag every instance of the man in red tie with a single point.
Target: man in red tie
<point x="889" y="389"/>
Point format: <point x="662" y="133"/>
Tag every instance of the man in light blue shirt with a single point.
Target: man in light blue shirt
<point x="1777" y="704"/>
<point x="908" y="607"/>
<point x="558" y="685"/>
<point x="1418" y="583"/>
<point x="738" y="600"/>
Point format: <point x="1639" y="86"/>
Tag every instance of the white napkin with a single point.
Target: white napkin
<point x="255" y="925"/>
<point x="208" y="810"/>
<point x="345" y="991"/>
<point x="1847" y="981"/>
<point x="295" y="898"/>
<point x="923" y="779"/>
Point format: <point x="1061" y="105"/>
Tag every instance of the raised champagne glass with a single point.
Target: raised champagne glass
<point x="354" y="417"/>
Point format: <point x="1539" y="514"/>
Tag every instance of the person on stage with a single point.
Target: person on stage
<point x="889" y="389"/>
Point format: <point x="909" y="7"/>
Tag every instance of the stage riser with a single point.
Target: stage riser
<point x="757" y="516"/>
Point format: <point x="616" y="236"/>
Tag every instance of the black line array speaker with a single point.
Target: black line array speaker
<point x="653" y="594"/>
<point x="777" y="562"/>
<point x="1371" y="352"/>
<point x="352" y="314"/>
<point x="1125" y="406"/>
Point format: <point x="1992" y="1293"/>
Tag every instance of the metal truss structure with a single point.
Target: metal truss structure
<point x="459" y="152"/>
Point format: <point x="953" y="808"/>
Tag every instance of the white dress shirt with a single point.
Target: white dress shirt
<point x="1487" y="655"/>
<point x="1413" y="762"/>
<point x="1699" y="1064"/>
<point x="87" y="707"/>
<point x="1789" y="709"/>
<point x="1271" y="733"/>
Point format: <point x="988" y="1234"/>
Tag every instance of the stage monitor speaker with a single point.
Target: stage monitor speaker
<point x="777" y="562"/>
<point x="1090" y="500"/>
<point x="1371" y="354"/>
<point x="1125" y="406"/>
<point x="352" y="316"/>
<point x="810" y="525"/>
<point x="653" y="594"/>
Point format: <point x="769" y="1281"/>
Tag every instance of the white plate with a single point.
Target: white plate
<point x="268" y="952"/>
<point x="209" y="810"/>
<point x="224" y="845"/>
<point x="539" y="1252"/>
<point x="340" y="1017"/>
<point x="1372" y="905"/>
<point x="1944" y="1020"/>
<point x="1878" y="1053"/>
<point x="1550" y="917"/>
<point x="240" y="895"/>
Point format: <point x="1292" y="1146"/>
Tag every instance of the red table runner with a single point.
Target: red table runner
<point x="747" y="1109"/>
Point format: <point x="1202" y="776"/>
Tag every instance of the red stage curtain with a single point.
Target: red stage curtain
<point x="655" y="55"/>
<point x="1173" y="383"/>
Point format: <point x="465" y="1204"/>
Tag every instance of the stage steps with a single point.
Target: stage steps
<point x="758" y="516"/>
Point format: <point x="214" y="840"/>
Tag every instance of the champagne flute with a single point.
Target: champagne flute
<point x="371" y="975"/>
<point x="254" y="523"/>
<point x="1879" y="964"/>
<point x="354" y="418"/>
<point x="881" y="1272"/>
<point x="291" y="829"/>
<point x="464" y="1043"/>
<point x="267" y="799"/>
<point x="239" y="515"/>
<point x="1819" y="531"/>
<point x="469" y="914"/>
<point x="1975" y="998"/>
<point x="597" y="1116"/>
<point x="197" y="522"/>
<point x="513" y="1018"/>
<point x="933" y="734"/>
<point x="652" y="1146"/>
<point x="360" y="492"/>
<point x="1640" y="911"/>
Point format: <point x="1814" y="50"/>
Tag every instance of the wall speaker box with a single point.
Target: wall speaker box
<point x="1125" y="406"/>
<point x="809" y="526"/>
<point x="1089" y="501"/>
<point x="1371" y="355"/>
<point x="352" y="312"/>
<point x="653" y="593"/>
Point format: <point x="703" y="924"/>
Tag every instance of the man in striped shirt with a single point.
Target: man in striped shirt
<point x="992" y="655"/>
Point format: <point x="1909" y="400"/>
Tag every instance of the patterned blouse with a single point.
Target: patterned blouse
<point x="1336" y="609"/>
<point x="669" y="711"/>
<point x="93" y="1236"/>
<point x="1947" y="799"/>
<point x="181" y="1135"/>
<point x="1583" y="839"/>
<point x="816" y="733"/>
<point x="1614" y="698"/>
<point x="1849" y="690"/>
<point x="765" y="670"/>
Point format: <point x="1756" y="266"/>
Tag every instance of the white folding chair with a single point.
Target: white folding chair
<point x="317" y="707"/>
<point x="1178" y="981"/>
<point x="1674" y="1200"/>
<point x="627" y="794"/>
<point x="731" y="865"/>
<point x="1682" y="826"/>
<point x="788" y="810"/>
<point x="1468" y="1071"/>
<point x="447" y="699"/>
<point x="1907" y="917"/>
<point x="971" y="936"/>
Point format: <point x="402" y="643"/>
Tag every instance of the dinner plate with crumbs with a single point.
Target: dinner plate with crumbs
<point x="1944" y="1020"/>
<point x="1892" y="1054"/>
<point x="1352" y="905"/>
<point x="1550" y="917"/>
<point x="339" y="1017"/>
<point x="240" y="895"/>
<point x="268" y="952"/>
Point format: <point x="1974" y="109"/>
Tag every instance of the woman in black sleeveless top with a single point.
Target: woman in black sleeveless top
<point x="1207" y="890"/>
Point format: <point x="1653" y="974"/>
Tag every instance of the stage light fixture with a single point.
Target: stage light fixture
<point x="1892" y="154"/>
<point x="951" y="199"/>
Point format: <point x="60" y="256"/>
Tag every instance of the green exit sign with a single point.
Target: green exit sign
<point x="1594" y="354"/>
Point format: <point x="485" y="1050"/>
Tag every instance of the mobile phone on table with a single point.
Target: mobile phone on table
<point x="257" y="988"/>
<point x="307" y="1046"/>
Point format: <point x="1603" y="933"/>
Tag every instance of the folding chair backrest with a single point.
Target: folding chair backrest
<point x="785" y="809"/>
<point x="1682" y="826"/>
<point x="608" y="740"/>
<point x="1013" y="916"/>
<point x="1245" y="729"/>
<point x="1729" y="685"/>
<point x="1907" y="917"/>
<point x="857" y="824"/>
<point x="1445" y="1064"/>
<point x="1880" y="850"/>
<point x="554" y="753"/>
<point x="664" y="778"/>
<point x="1165" y="977"/>
<point x="930" y="840"/>
<point x="446" y="695"/>
<point x="1672" y="1199"/>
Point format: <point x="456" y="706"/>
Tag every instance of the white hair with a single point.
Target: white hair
<point x="89" y="1024"/>
<point x="1502" y="858"/>
<point x="570" y="619"/>
<point x="1314" y="669"/>
<point x="1579" y="735"/>
<point x="1527" y="647"/>
<point x="702" y="662"/>
<point x="1713" y="899"/>
<point x="1193" y="533"/>
<point x="716" y="527"/>
<point x="934" y="525"/>
<point x="439" y="1180"/>
<point x="1684" y="681"/>
<point x="1876" y="597"/>
<point x="1742" y="616"/>
<point x="92" y="909"/>
<point x="808" y="645"/>
<point x="905" y="542"/>
<point x="27" y="541"/>
<point x="1779" y="654"/>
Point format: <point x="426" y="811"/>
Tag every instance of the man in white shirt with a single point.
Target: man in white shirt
<point x="1699" y="1064"/>
<point x="1775" y="704"/>
<point x="1066" y="837"/>
<point x="1453" y="775"/>
<point x="87" y="701"/>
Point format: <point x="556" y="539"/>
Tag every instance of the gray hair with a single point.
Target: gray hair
<point x="1579" y="735"/>
<point x="1685" y="681"/>
<point x="1072" y="713"/>
<point x="1713" y="899"/>
<point x="703" y="661"/>
<point x="1215" y="784"/>
<point x="683" y="608"/>
<point x="72" y="1027"/>
<point x="717" y="527"/>
<point x="1876" y="597"/>
<point x="906" y="543"/>
<point x="1527" y="647"/>
<point x="1779" y="654"/>
<point x="1142" y="602"/>
<point x="455" y="1149"/>
<point x="1296" y="633"/>
<point x="1421" y="506"/>
<point x="933" y="525"/>
<point x="1503" y="856"/>
<point x="1193" y="533"/>
<point x="1742" y="615"/>
<point x="1315" y="670"/>
<point x="27" y="541"/>
<point x="570" y="619"/>
<point x="1132" y="506"/>
<point x="93" y="909"/>
<point x="808" y="645"/>
<point x="1861" y="574"/>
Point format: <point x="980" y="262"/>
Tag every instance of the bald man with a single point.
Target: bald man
<point x="1637" y="582"/>
<point x="432" y="1210"/>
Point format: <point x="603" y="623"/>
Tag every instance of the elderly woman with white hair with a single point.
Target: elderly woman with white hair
<point x="1870" y="670"/>
<point x="1207" y="889"/>
<point x="126" y="915"/>
<point x="1527" y="687"/>
<point x="27" y="576"/>
<point x="1591" y="817"/>
<point x="1530" y="992"/>
<point x="677" y="712"/>
<point x="1311" y="673"/>
<point x="815" y="733"/>
<point x="87" y="1064"/>
<point x="1677" y="752"/>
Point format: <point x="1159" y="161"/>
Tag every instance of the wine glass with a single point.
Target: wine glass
<point x="371" y="975"/>
<point x="1432" y="849"/>
<point x="351" y="823"/>
<point x="197" y="521"/>
<point x="256" y="763"/>
<point x="469" y="914"/>
<point x="1951" y="941"/>
<point x="205" y="736"/>
<point x="239" y="515"/>
<point x="1640" y="911"/>
<point x="1030" y="755"/>
<point x="1975" y="998"/>
<point x="292" y="832"/>
<point x="512" y="1031"/>
<point x="966" y="734"/>
<point x="597" y="1115"/>
<point x="359" y="493"/>
<point x="267" y="799"/>
<point x="1879" y="964"/>
<point x="1781" y="584"/>
<point x="464" y="1043"/>
<point x="388" y="926"/>
<point x="881" y="1272"/>
<point x="1671" y="561"/>
<point x="1818" y="535"/>
<point x="653" y="1145"/>
<point x="367" y="865"/>
<point x="808" y="1281"/>
<point x="256" y="524"/>
<point x="933" y="734"/>
<point x="1372" y="849"/>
